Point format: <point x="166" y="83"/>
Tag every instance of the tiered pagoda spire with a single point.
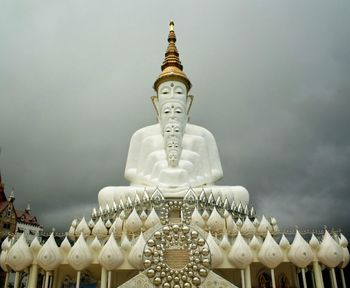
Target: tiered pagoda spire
<point x="172" y="68"/>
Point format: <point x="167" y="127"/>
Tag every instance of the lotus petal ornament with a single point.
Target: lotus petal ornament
<point x="330" y="252"/>
<point x="247" y="229"/>
<point x="117" y="227"/>
<point x="190" y="198"/>
<point x="284" y="243"/>
<point x="216" y="223"/>
<point x="3" y="265"/>
<point x="157" y="198"/>
<point x="264" y="226"/>
<point x="95" y="245"/>
<point x="215" y="251"/>
<point x="35" y="246"/>
<point x="111" y="256"/>
<point x="270" y="253"/>
<point x="136" y="253"/>
<point x="19" y="255"/>
<point x="65" y="246"/>
<point x="300" y="253"/>
<point x="231" y="227"/>
<point x="152" y="219"/>
<point x="240" y="254"/>
<point x="49" y="256"/>
<point x="82" y="227"/>
<point x="80" y="257"/>
<point x="197" y="219"/>
<point x="125" y="244"/>
<point x="255" y="243"/>
<point x="99" y="230"/>
<point x="134" y="223"/>
<point x="225" y="243"/>
<point x="314" y="243"/>
<point x="6" y="244"/>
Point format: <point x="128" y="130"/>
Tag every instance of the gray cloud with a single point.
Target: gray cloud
<point x="270" y="81"/>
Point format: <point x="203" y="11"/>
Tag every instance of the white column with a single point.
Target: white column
<point x="296" y="278"/>
<point x="103" y="278"/>
<point x="78" y="279"/>
<point x="55" y="283"/>
<point x="33" y="276"/>
<point x="50" y="280"/>
<point x="304" y="277"/>
<point x="273" y="278"/>
<point x="109" y="285"/>
<point x="317" y="274"/>
<point x="342" y="277"/>
<point x="6" y="280"/>
<point x="248" y="281"/>
<point x="242" y="278"/>
<point x="333" y="278"/>
<point x="17" y="279"/>
<point x="47" y="278"/>
<point x="43" y="282"/>
<point x="313" y="280"/>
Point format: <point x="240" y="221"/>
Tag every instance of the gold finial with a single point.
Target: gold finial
<point x="171" y="26"/>
<point x="172" y="67"/>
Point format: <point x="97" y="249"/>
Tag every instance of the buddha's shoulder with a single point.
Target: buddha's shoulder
<point x="147" y="131"/>
<point x="192" y="129"/>
<point x="154" y="130"/>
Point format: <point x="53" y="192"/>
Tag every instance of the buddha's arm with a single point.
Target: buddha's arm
<point x="214" y="158"/>
<point x="142" y="144"/>
<point x="133" y="156"/>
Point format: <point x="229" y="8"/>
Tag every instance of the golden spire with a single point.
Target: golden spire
<point x="172" y="67"/>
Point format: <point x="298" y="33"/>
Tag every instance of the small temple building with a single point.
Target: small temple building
<point x="173" y="226"/>
<point x="14" y="222"/>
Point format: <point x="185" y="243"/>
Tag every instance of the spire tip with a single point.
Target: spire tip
<point x="171" y="26"/>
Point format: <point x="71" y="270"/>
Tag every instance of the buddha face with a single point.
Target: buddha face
<point x="173" y="130"/>
<point x="172" y="90"/>
<point x="173" y="151"/>
<point x="173" y="112"/>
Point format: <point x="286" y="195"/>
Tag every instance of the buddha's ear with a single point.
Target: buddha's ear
<point x="189" y="101"/>
<point x="155" y="103"/>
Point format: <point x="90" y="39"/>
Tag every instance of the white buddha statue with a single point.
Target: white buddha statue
<point x="172" y="155"/>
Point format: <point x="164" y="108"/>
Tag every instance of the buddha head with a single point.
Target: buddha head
<point x="173" y="130"/>
<point x="173" y="151"/>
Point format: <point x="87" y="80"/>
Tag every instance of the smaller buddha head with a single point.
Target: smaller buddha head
<point x="173" y="151"/>
<point x="173" y="129"/>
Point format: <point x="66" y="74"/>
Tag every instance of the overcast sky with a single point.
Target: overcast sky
<point x="270" y="80"/>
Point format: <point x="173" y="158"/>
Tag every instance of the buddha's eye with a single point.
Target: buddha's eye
<point x="177" y="129"/>
<point x="178" y="110"/>
<point x="167" y="130"/>
<point x="165" y="91"/>
<point x="166" y="110"/>
<point x="178" y="90"/>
